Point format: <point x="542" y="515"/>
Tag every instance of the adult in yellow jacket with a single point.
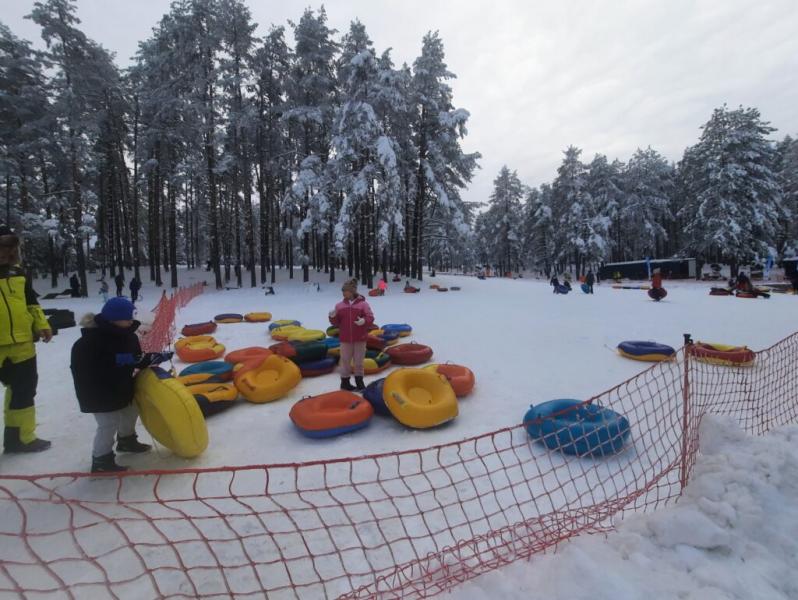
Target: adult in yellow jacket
<point x="22" y="322"/>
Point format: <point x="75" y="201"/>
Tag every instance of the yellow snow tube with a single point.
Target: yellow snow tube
<point x="258" y="317"/>
<point x="198" y="348"/>
<point x="304" y="335"/>
<point x="419" y="398"/>
<point x="282" y="333"/>
<point x="273" y="379"/>
<point x="170" y="413"/>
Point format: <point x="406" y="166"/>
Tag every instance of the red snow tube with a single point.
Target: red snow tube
<point x="411" y="290"/>
<point x="374" y="292"/>
<point x="198" y="329"/>
<point x="375" y="343"/>
<point x="722" y="354"/>
<point x="742" y="294"/>
<point x="716" y="291"/>
<point x="409" y="354"/>
<point x="247" y="354"/>
<point x="657" y="294"/>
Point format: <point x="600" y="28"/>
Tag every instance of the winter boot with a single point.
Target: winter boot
<point x="13" y="445"/>
<point x="346" y="384"/>
<point x="130" y="443"/>
<point x="106" y="464"/>
<point x="359" y="385"/>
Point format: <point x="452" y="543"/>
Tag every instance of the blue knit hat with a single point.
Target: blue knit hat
<point x="118" y="309"/>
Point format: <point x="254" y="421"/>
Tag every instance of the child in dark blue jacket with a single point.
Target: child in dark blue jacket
<point x="103" y="363"/>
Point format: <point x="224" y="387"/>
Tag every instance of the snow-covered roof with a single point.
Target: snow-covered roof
<point x="642" y="262"/>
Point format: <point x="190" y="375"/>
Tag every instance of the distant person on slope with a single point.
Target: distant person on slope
<point x="74" y="284"/>
<point x="555" y="283"/>
<point x="590" y="279"/>
<point x="135" y="286"/>
<point x="119" y="280"/>
<point x="657" y="291"/>
<point x="743" y="283"/>
<point x="383" y="287"/>
<point x="353" y="317"/>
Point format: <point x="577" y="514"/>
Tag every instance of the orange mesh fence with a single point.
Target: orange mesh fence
<point x="401" y="525"/>
<point x="162" y="331"/>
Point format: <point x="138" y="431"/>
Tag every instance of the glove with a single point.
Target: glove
<point x="360" y="321"/>
<point x="125" y="359"/>
<point x="153" y="358"/>
<point x="332" y="314"/>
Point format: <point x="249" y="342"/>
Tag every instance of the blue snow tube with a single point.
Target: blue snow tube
<point x="585" y="288"/>
<point x="576" y="428"/>
<point x="278" y="324"/>
<point x="373" y="393"/>
<point x="331" y="342"/>
<point x="220" y="368"/>
<point x="403" y="329"/>
<point x="646" y="351"/>
<point x="561" y="289"/>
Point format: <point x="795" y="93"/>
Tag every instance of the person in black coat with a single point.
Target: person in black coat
<point x="74" y="285"/>
<point x="135" y="286"/>
<point x="590" y="279"/>
<point x="103" y="363"/>
<point x="119" y="280"/>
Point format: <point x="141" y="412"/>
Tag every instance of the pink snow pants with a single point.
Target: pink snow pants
<point x="350" y="351"/>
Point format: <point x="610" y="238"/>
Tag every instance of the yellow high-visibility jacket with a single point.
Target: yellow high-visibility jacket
<point x="20" y="313"/>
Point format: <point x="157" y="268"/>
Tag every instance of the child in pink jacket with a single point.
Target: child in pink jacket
<point x="353" y="317"/>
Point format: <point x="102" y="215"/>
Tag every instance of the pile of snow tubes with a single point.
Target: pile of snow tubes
<point x="375" y="362"/>
<point x="300" y="352"/>
<point x="170" y="413"/>
<point x="282" y="323"/>
<point x="409" y="354"/>
<point x="419" y="398"/>
<point x="213" y="398"/>
<point x="229" y="318"/>
<point x="657" y="294"/>
<point x="198" y="348"/>
<point x="645" y="351"/>
<point x="314" y="368"/>
<point x="268" y="380"/>
<point x="333" y="346"/>
<point x="459" y="377"/>
<point x="333" y="331"/>
<point x="198" y="378"/>
<point x="331" y="414"/>
<point x="258" y="317"/>
<point x="722" y="354"/>
<point x="244" y="354"/>
<point x="198" y="329"/>
<point x="716" y="291"/>
<point x="576" y="428"/>
<point x="217" y="368"/>
<point x="402" y="329"/>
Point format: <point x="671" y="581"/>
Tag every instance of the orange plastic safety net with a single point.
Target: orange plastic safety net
<point x="409" y="524"/>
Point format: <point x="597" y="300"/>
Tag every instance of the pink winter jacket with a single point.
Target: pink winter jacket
<point x="346" y="313"/>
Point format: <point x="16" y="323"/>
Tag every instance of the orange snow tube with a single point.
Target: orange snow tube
<point x="273" y="378"/>
<point x="331" y="414"/>
<point x="246" y="354"/>
<point x="198" y="348"/>
<point x="721" y="354"/>
<point x="461" y="378"/>
<point x="258" y="317"/>
<point x="409" y="354"/>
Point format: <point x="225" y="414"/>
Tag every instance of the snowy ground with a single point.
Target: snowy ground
<point x="525" y="345"/>
<point x="730" y="537"/>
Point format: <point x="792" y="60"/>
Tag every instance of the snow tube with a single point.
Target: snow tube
<point x="375" y="362"/>
<point x="314" y="368"/>
<point x="257" y="317"/>
<point x="585" y="288"/>
<point x="742" y="294"/>
<point x="301" y="352"/>
<point x="455" y="288"/>
<point x="561" y="289"/>
<point x="331" y="414"/>
<point x="198" y="348"/>
<point x="631" y="287"/>
<point x="213" y="398"/>
<point x="373" y="393"/>
<point x="282" y="323"/>
<point x="434" y="286"/>
<point x="218" y="368"/>
<point x="273" y="378"/>
<point x="305" y="335"/>
<point x="245" y="354"/>
<point x="197" y="378"/>
<point x="375" y="292"/>
<point x="645" y="351"/>
<point x="716" y="291"/>
<point x="374" y="342"/>
<point x="229" y="318"/>
<point x="419" y="398"/>
<point x="282" y="333"/>
<point x="333" y="346"/>
<point x="60" y="318"/>
<point x="411" y="290"/>
<point x="657" y="294"/>
<point x="403" y="329"/>
<point x="721" y="354"/>
<point x="409" y="354"/>
<point x="170" y="413"/>
<point x="459" y="377"/>
<point x="443" y="289"/>
<point x="389" y="337"/>
<point x="198" y="329"/>
<point x="332" y="331"/>
<point x="576" y="428"/>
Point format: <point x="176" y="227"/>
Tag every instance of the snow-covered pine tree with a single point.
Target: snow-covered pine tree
<point x="734" y="205"/>
<point x="786" y="169"/>
<point x="604" y="183"/>
<point x="501" y="226"/>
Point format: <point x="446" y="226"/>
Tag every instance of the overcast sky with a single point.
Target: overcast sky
<point x="607" y="77"/>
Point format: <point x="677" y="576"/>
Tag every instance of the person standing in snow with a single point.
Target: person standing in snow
<point x="555" y="283"/>
<point x="657" y="291"/>
<point x="353" y="317"/>
<point x="119" y="280"/>
<point x="590" y="279"/>
<point x="104" y="290"/>
<point x="383" y="287"/>
<point x="103" y="362"/>
<point x="22" y="322"/>
<point x="135" y="286"/>
<point x="74" y="284"/>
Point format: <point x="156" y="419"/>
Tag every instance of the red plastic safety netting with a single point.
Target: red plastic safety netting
<point x="404" y="525"/>
<point x="162" y="330"/>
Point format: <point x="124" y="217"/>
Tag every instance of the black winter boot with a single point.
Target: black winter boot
<point x="346" y="384"/>
<point x="131" y="443"/>
<point x="13" y="445"/>
<point x="106" y="464"/>
<point x="359" y="385"/>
